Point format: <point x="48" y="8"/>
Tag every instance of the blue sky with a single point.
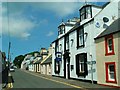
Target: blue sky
<point x="33" y="25"/>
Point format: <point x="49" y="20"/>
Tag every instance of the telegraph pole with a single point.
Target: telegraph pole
<point x="9" y="53"/>
<point x="9" y="42"/>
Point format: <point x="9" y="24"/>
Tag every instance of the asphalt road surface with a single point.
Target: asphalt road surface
<point x="27" y="80"/>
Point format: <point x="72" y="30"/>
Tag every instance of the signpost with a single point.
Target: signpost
<point x="92" y="70"/>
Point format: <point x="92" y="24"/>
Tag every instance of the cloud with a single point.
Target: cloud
<point x="22" y="22"/>
<point x="61" y="9"/>
<point x="50" y="34"/>
<point x="19" y="25"/>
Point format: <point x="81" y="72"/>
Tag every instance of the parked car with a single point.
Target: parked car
<point x="12" y="69"/>
<point x="15" y="67"/>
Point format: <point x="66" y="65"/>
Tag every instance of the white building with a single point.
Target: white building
<point x="26" y="62"/>
<point x="74" y="51"/>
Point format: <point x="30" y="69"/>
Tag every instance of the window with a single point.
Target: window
<point x="110" y="72"/>
<point x="67" y="42"/>
<point x="56" y="46"/>
<point x="85" y="12"/>
<point x="80" y="37"/>
<point x="49" y="68"/>
<point x="88" y="12"/>
<point x="82" y="14"/>
<point x="61" y="29"/>
<point x="109" y="45"/>
<point x="81" y="65"/>
<point x="57" y="67"/>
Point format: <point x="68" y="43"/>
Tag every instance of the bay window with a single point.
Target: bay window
<point x="81" y="65"/>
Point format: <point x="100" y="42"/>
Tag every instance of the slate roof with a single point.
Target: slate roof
<point x="113" y="28"/>
<point x="48" y="60"/>
<point x="37" y="62"/>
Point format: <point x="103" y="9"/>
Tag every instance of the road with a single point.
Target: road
<point x="23" y="79"/>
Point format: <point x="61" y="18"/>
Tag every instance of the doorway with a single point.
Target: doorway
<point x="67" y="68"/>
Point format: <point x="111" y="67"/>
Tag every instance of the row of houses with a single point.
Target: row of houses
<point x="40" y="62"/>
<point x="87" y="48"/>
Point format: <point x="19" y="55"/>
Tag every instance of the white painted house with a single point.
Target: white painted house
<point x="25" y="62"/>
<point x="74" y="51"/>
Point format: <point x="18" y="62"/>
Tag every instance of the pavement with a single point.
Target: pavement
<point x="71" y="82"/>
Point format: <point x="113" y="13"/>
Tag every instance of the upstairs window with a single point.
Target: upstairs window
<point x="61" y="29"/>
<point x="85" y="12"/>
<point x="82" y="14"/>
<point x="109" y="45"/>
<point x="80" y="37"/>
<point x="56" y="46"/>
<point x="67" y="42"/>
<point x="88" y="12"/>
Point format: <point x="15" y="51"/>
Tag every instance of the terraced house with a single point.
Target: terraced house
<point x="74" y="50"/>
<point x="108" y="42"/>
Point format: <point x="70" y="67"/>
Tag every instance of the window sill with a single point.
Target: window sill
<point x="81" y="74"/>
<point x="108" y="81"/>
<point x="82" y="46"/>
<point x="67" y="50"/>
<point x="108" y="54"/>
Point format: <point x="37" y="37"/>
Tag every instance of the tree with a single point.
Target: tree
<point x="18" y="60"/>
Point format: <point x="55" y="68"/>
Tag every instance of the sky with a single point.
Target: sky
<point x="32" y="25"/>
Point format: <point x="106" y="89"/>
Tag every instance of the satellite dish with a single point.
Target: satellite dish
<point x="105" y="25"/>
<point x="105" y="19"/>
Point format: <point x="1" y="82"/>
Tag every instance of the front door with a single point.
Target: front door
<point x="68" y="71"/>
<point x="67" y="68"/>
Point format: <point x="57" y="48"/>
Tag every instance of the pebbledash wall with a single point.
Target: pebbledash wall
<point x="74" y="49"/>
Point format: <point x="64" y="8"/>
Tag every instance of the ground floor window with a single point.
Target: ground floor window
<point x="110" y="72"/>
<point x="57" y="66"/>
<point x="81" y="65"/>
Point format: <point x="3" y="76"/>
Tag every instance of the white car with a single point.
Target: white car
<point x="12" y="69"/>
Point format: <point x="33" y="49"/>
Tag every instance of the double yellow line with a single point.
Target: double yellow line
<point x="9" y="85"/>
<point x="75" y="86"/>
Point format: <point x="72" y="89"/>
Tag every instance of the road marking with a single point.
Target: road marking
<point x="75" y="86"/>
<point x="9" y="85"/>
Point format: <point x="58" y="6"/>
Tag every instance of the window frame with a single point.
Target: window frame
<point x="107" y="52"/>
<point x="84" y="13"/>
<point x="60" y="30"/>
<point x="79" y="72"/>
<point x="108" y="80"/>
<point x="78" y="37"/>
<point x="67" y="46"/>
<point x="57" y="67"/>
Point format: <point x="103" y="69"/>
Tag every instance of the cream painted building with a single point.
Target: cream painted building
<point x="46" y="63"/>
<point x="108" y="55"/>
